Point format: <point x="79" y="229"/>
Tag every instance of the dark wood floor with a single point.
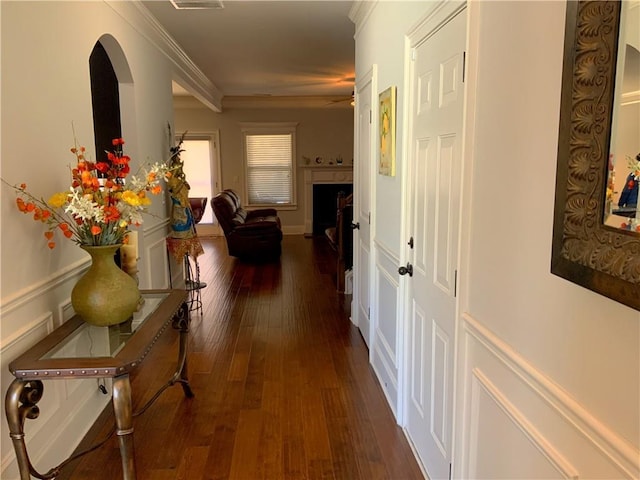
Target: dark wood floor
<point x="283" y="388"/>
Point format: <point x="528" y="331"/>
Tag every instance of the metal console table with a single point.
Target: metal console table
<point x="122" y="349"/>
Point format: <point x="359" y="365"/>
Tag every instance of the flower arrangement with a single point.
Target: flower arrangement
<point x="101" y="202"/>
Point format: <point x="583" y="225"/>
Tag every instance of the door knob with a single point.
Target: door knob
<point x="355" y="226"/>
<point x="408" y="269"/>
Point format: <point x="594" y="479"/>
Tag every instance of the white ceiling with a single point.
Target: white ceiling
<point x="267" y="48"/>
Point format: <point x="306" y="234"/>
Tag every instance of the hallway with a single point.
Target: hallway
<point x="283" y="387"/>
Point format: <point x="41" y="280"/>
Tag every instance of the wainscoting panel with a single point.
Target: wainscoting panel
<point x="153" y="261"/>
<point x="157" y="274"/>
<point x="63" y="405"/>
<point x="384" y="355"/>
<point x="364" y="302"/>
<point x="68" y="408"/>
<point x="514" y="422"/>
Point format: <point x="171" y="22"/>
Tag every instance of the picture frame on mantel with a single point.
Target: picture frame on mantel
<point x="387" y="129"/>
<point x="585" y="250"/>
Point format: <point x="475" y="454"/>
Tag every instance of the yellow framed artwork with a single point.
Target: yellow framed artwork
<point x="387" y="113"/>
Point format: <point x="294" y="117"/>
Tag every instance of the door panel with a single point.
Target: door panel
<point x="434" y="203"/>
<point x="362" y="205"/>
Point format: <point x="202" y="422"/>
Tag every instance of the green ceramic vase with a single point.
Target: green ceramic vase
<point x="105" y="295"/>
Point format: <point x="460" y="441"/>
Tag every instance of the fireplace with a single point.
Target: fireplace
<point x="325" y="201"/>
<point x="334" y="175"/>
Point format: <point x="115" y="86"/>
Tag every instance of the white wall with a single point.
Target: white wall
<point x="46" y="87"/>
<point x="576" y="340"/>
<point x="548" y="373"/>
<point x="380" y="39"/>
<point x="320" y="132"/>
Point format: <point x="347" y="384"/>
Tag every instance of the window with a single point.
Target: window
<point x="269" y="150"/>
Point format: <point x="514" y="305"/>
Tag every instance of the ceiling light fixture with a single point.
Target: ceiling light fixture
<point x="197" y="4"/>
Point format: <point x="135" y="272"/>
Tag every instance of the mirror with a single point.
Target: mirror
<point x="624" y="160"/>
<point x="585" y="250"/>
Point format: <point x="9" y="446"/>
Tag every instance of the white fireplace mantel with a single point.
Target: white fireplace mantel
<point x="321" y="174"/>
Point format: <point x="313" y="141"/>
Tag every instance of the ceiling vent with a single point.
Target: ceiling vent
<point x="197" y="4"/>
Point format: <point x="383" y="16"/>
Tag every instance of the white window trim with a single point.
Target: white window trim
<point x="273" y="128"/>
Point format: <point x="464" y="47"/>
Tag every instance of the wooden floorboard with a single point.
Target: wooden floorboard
<point x="283" y="387"/>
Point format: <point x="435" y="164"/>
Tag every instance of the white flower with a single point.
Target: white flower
<point x="84" y="207"/>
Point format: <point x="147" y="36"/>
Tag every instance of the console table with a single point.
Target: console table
<point x="114" y="352"/>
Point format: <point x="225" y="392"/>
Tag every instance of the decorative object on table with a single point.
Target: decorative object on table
<point x="129" y="255"/>
<point x="339" y="159"/>
<point x="318" y="160"/>
<point x="129" y="260"/>
<point x="96" y="212"/>
<point x="105" y="295"/>
<point x="387" y="104"/>
<point x="183" y="242"/>
<point x="182" y="221"/>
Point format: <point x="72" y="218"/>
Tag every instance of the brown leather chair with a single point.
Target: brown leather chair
<point x="251" y="235"/>
<point x="198" y="206"/>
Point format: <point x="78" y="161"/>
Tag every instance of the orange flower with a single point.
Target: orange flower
<point x="86" y="178"/>
<point x="111" y="213"/>
<point x="102" y="167"/>
<point x="21" y="205"/>
<point x="51" y="245"/>
<point x="98" y="209"/>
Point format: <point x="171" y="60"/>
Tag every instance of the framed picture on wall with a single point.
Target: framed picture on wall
<point x="387" y="129"/>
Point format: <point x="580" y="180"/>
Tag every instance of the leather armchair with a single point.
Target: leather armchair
<point x="198" y="206"/>
<point x="252" y="235"/>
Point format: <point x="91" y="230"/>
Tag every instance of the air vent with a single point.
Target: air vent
<point x="197" y="4"/>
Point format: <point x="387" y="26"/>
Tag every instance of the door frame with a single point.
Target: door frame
<point x="434" y="20"/>
<point x="370" y="77"/>
<point x="213" y="136"/>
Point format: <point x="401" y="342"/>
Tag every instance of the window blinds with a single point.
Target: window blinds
<point x="269" y="164"/>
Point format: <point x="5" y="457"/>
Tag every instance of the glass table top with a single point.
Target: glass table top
<point x="78" y="349"/>
<point x="92" y="341"/>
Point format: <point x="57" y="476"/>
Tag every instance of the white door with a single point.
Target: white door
<point x="362" y="206"/>
<point x="434" y="184"/>
<point x="201" y="159"/>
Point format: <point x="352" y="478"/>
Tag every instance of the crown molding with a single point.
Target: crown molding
<point x="185" y="72"/>
<point x="270" y="102"/>
<point x="360" y="13"/>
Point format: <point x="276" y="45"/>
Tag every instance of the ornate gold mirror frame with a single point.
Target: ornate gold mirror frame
<point x="585" y="251"/>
